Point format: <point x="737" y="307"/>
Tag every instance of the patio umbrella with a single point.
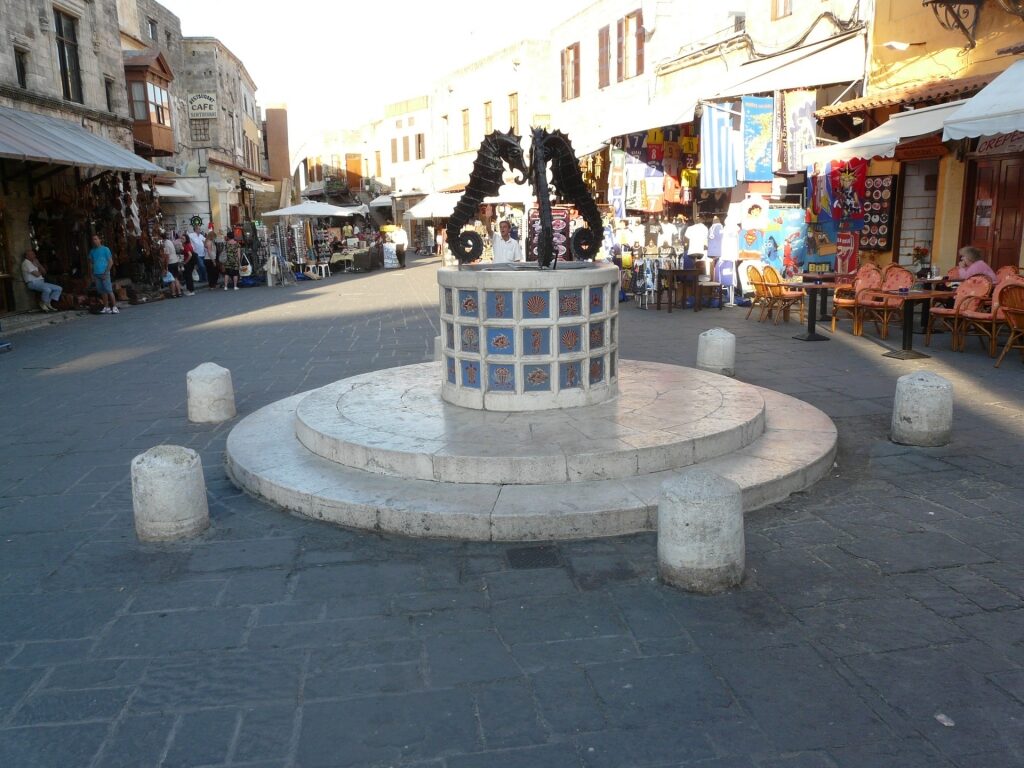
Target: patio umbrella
<point x="313" y="208"/>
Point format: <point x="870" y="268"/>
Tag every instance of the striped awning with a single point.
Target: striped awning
<point x="43" y="139"/>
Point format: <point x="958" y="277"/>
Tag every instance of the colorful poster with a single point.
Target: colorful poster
<point x="849" y="184"/>
<point x="798" y="128"/>
<point x="772" y="236"/>
<point x="617" y="183"/>
<point x="846" y="251"/>
<point x="758" y="138"/>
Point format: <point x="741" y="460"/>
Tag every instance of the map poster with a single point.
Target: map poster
<point x="758" y="138"/>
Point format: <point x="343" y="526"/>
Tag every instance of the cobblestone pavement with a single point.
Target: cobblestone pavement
<point x="880" y="625"/>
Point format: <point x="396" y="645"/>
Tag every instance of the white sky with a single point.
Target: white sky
<point x="335" y="64"/>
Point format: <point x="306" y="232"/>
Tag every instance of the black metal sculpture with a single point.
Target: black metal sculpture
<point x="486" y="179"/>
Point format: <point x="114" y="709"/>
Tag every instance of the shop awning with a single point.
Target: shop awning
<point x="436" y="205"/>
<point x="381" y="201"/>
<point x="930" y="92"/>
<point x="43" y="139"/>
<point x="258" y="186"/>
<point x="839" y="59"/>
<point x="882" y="141"/>
<point x="166" y="192"/>
<point x="997" y="108"/>
<point x="521" y="194"/>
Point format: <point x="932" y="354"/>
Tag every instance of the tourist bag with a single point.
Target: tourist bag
<point x="244" y="266"/>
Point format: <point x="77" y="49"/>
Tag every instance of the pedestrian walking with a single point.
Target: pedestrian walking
<point x="210" y="258"/>
<point x="232" y="261"/>
<point x="198" y="240"/>
<point x="172" y="264"/>
<point x="188" y="265"/>
<point x="102" y="260"/>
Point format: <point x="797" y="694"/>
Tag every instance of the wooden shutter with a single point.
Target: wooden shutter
<point x="575" y="70"/>
<point x="603" y="45"/>
<point x="620" y="50"/>
<point x="639" y="43"/>
<point x="564" y="53"/>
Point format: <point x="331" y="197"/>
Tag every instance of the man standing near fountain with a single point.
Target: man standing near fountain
<point x="505" y="248"/>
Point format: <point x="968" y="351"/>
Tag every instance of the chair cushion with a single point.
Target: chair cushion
<point x="943" y="311"/>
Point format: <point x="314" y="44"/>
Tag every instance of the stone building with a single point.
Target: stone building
<point x="66" y="147"/>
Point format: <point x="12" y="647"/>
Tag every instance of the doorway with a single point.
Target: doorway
<point x="994" y="215"/>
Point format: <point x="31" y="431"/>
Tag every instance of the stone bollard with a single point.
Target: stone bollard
<point x="169" y="494"/>
<point x="716" y="352"/>
<point x="700" y="532"/>
<point x="922" y="412"/>
<point x="437" y="349"/>
<point x="211" y="398"/>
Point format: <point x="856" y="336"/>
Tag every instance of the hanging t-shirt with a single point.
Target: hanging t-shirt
<point x="697" y="238"/>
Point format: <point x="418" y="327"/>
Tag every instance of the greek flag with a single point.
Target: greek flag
<point x="717" y="156"/>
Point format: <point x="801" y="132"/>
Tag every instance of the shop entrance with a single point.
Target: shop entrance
<point x="994" y="216"/>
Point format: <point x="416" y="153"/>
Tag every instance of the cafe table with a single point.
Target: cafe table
<point x="909" y="299"/>
<point x="822" y="289"/>
<point x="824" y="277"/>
<point x="675" y="275"/>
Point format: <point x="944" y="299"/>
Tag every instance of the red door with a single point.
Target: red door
<point x="995" y="217"/>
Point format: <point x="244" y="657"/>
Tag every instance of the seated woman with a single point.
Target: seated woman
<point x="971" y="263"/>
<point x="33" y="273"/>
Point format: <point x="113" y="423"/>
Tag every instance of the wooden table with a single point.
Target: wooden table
<point x="824" y="277"/>
<point x="909" y="299"/>
<point x="821" y="289"/>
<point x="688" y="275"/>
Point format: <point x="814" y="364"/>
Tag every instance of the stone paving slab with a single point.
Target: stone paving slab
<point x="891" y="593"/>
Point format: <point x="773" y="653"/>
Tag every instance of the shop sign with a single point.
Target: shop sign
<point x="202" y="106"/>
<point x="1001" y="144"/>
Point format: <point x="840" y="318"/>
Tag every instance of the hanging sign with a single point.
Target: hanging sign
<point x="202" y="106"/>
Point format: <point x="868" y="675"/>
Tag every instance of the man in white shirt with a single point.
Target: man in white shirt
<point x="198" y="239"/>
<point x="505" y="248"/>
<point x="33" y="272"/>
<point x="401" y="241"/>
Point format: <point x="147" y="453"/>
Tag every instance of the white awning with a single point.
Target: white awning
<point x="882" y="141"/>
<point x="996" y="108"/>
<point x="836" y="60"/>
<point x="166" y="192"/>
<point x="436" y="205"/>
<point x="521" y="194"/>
<point x="381" y="201"/>
<point x="258" y="186"/>
<point x="43" y="139"/>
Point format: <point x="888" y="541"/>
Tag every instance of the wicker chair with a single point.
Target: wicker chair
<point x="762" y="296"/>
<point x="846" y="302"/>
<point x="1013" y="310"/>
<point x="978" y="286"/>
<point x="985" y="317"/>
<point x="783" y="296"/>
<point x="1007" y="271"/>
<point x="880" y="307"/>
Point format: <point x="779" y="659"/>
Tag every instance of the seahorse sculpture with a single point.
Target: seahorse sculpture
<point x="555" y="147"/>
<point x="496" y="149"/>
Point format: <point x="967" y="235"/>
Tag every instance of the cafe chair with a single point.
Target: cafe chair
<point x="844" y="283"/>
<point x="783" y="297"/>
<point x="948" y="318"/>
<point x="1013" y="311"/>
<point x="1006" y="271"/>
<point x="762" y="296"/>
<point x="879" y="306"/>
<point x="845" y="302"/>
<point x="984" y="317"/>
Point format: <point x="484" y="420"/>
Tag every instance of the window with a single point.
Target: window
<point x="21" y="65"/>
<point x="781" y="8"/>
<point x="604" y="52"/>
<point x="571" y="72"/>
<point x="200" y="129"/>
<point x="488" y="118"/>
<point x="394" y="150"/>
<point x="159" y="104"/>
<point x="376" y="159"/>
<point x="465" y="129"/>
<point x="108" y="91"/>
<point x="421" y="146"/>
<point x="411" y="122"/>
<point x="405" y="148"/>
<point x="67" y="55"/>
<point x="398" y="123"/>
<point x="629" y="57"/>
<point x="513" y="112"/>
<point x="151" y="28"/>
<point x="139" y="109"/>
<point x="444" y="134"/>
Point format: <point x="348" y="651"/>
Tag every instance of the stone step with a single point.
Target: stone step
<point x="265" y="459"/>
<point x="394" y="422"/>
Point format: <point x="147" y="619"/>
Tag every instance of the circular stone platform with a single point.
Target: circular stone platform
<point x="394" y="422"/>
<point x="388" y="456"/>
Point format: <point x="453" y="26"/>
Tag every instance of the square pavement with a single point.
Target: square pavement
<point x="880" y="624"/>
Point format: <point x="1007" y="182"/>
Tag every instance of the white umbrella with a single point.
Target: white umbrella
<point x="313" y="208"/>
<point x="381" y="201"/>
<point x="436" y="205"/>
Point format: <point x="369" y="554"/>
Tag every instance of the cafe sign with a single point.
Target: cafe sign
<point x="202" y="106"/>
<point x="1001" y="144"/>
